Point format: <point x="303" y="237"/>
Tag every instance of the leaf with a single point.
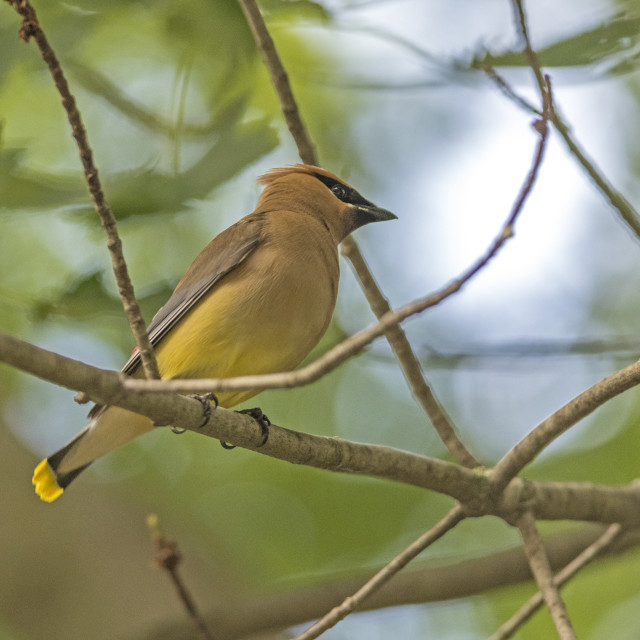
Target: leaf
<point x="88" y="298"/>
<point x="292" y="9"/>
<point x="150" y="191"/>
<point x="618" y="38"/>
<point x="27" y="189"/>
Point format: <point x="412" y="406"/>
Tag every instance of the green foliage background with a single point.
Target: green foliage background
<point x="182" y="119"/>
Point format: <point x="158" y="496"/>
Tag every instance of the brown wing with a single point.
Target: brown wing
<point x="221" y="256"/>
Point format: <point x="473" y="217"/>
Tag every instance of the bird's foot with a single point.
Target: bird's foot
<point x="205" y="400"/>
<point x="262" y="420"/>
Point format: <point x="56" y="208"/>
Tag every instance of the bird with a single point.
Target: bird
<point x="257" y="299"/>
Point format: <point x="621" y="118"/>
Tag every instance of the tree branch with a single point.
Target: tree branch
<point x="284" y="606"/>
<point x="354" y="344"/>
<point x="553" y="501"/>
<point x="541" y="570"/>
<point x="168" y="558"/>
<point x="589" y="554"/>
<point x="628" y="214"/>
<point x="280" y="80"/>
<point x="498" y="493"/>
<point x="351" y="603"/>
<point x="409" y="362"/>
<point x="532" y="58"/>
<point x="555" y="425"/>
<point x="108" y="387"/>
<point x="31" y="29"/>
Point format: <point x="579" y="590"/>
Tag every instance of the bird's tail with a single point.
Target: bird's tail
<point x="110" y="428"/>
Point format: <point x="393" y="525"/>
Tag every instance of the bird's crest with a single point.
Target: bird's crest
<point x="267" y="178"/>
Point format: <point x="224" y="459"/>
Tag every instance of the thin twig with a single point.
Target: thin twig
<point x="395" y="334"/>
<point x="335" y="454"/>
<point x="541" y="570"/>
<point x="628" y="214"/>
<point x="31" y="29"/>
<point x="349" y="347"/>
<point x="280" y="81"/>
<point x="455" y="516"/>
<point x="525" y="451"/>
<point x="530" y="54"/>
<point x="616" y="199"/>
<point x="568" y="571"/>
<point x="168" y="558"/>
<point x="92" y="80"/>
<point x="506" y="89"/>
<point x="563" y="419"/>
<point x="387" y="320"/>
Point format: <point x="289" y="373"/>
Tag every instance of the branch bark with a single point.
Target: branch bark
<point x="280" y="80"/>
<point x="409" y="362"/>
<point x="31" y="29"/>
<point x="279" y="607"/>
<point x="541" y="570"/>
<point x="498" y="493"/>
<point x="563" y="419"/>
<point x="578" y="563"/>
<point x="353" y="602"/>
<point x="554" y="501"/>
<point x="168" y="557"/>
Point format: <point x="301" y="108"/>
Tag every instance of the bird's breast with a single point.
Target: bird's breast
<point x="265" y="316"/>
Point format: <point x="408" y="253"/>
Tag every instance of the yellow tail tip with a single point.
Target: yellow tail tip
<point x="44" y="479"/>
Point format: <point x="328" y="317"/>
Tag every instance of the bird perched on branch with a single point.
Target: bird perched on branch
<point x="256" y="300"/>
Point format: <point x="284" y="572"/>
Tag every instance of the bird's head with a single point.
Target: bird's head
<point x="309" y="189"/>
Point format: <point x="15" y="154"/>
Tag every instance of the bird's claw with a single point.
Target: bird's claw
<point x="205" y="400"/>
<point x="262" y="419"/>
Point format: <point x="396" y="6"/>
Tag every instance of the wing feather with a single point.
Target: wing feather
<point x="221" y="256"/>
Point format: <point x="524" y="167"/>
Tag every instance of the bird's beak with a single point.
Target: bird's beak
<point x="379" y="214"/>
<point x="367" y="213"/>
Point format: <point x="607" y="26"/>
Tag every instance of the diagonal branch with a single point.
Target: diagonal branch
<point x="31" y="29"/>
<point x="530" y="54"/>
<point x="280" y="80"/>
<point x="616" y="199"/>
<point x="335" y="454"/>
<point x="395" y="334"/>
<point x="628" y="214"/>
<point x="559" y="422"/>
<point x="454" y="517"/>
<point x="301" y="601"/>
<point x="525" y="451"/>
<point x="168" y="558"/>
<point x="568" y="571"/>
<point x="413" y="373"/>
<point x="541" y="570"/>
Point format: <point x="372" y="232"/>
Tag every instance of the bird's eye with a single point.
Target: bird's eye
<point x="339" y="191"/>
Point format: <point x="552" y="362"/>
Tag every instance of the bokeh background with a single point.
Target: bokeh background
<point x="182" y="119"/>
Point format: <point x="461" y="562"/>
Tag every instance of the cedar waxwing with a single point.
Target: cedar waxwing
<point x="256" y="300"/>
